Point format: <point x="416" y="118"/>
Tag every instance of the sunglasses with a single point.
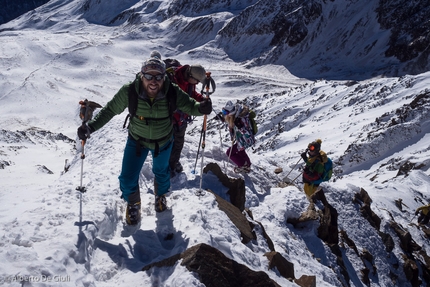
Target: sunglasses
<point x="225" y="112"/>
<point x="157" y="77"/>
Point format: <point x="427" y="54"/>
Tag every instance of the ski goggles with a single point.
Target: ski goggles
<point x="150" y="77"/>
<point x="311" y="147"/>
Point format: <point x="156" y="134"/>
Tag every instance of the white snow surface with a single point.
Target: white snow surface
<point x="53" y="235"/>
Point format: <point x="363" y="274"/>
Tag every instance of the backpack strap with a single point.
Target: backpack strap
<point x="171" y="97"/>
<point x="156" y="142"/>
<point x="133" y="101"/>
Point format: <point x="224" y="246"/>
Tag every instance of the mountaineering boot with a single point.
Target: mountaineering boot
<point x="242" y="169"/>
<point x="160" y="203"/>
<point x="132" y="213"/>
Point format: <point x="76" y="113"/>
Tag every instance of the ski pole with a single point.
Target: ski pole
<point x="296" y="178"/>
<point x="198" y="151"/>
<point x="208" y="82"/>
<point x="295" y="166"/>
<point x="203" y="151"/>
<point x="219" y="117"/>
<point x="86" y="113"/>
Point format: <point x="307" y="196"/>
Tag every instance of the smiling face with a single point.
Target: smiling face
<point x="152" y="83"/>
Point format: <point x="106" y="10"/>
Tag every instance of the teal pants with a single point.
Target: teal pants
<point x="132" y="165"/>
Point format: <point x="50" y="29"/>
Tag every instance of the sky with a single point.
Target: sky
<point x="53" y="235"/>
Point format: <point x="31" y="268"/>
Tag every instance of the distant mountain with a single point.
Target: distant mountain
<point x="11" y="9"/>
<point x="311" y="38"/>
<point x="359" y="230"/>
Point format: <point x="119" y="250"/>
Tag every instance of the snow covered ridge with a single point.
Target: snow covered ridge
<point x="329" y="39"/>
<point x="34" y="136"/>
<point x="360" y="231"/>
<point x="19" y="142"/>
<point x="381" y="117"/>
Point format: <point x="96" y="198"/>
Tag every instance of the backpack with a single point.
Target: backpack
<point x="243" y="131"/>
<point x="133" y="100"/>
<point x="171" y="66"/>
<point x="172" y="63"/>
<point x="252" y="116"/>
<point x="328" y="170"/>
<point x="132" y="108"/>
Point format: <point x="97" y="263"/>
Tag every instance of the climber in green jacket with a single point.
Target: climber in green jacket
<point x="150" y="129"/>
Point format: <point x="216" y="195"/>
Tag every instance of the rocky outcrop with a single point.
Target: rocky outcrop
<point x="214" y="269"/>
<point x="410" y="31"/>
<point x="236" y="186"/>
<point x="238" y="219"/>
<point x="12" y="9"/>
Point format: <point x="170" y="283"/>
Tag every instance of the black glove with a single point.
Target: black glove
<point x="205" y="107"/>
<point x="416" y="212"/>
<point x="219" y="116"/>
<point x="84" y="132"/>
<point x="304" y="156"/>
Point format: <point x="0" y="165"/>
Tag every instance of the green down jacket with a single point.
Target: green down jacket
<point x="156" y="122"/>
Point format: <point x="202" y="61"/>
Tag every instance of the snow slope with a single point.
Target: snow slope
<point x="52" y="235"/>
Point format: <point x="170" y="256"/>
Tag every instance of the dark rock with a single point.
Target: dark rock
<point x="285" y="268"/>
<point x="406" y="241"/>
<point x="236" y="186"/>
<point x="412" y="272"/>
<point x="214" y="269"/>
<point x="13" y="9"/>
<point x="306" y="281"/>
<point x="370" y="216"/>
<point x="238" y="219"/>
<point x="266" y="236"/>
<point x="344" y="236"/>
<point x="365" y="276"/>
<point x="328" y="228"/>
<point x="388" y="241"/>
